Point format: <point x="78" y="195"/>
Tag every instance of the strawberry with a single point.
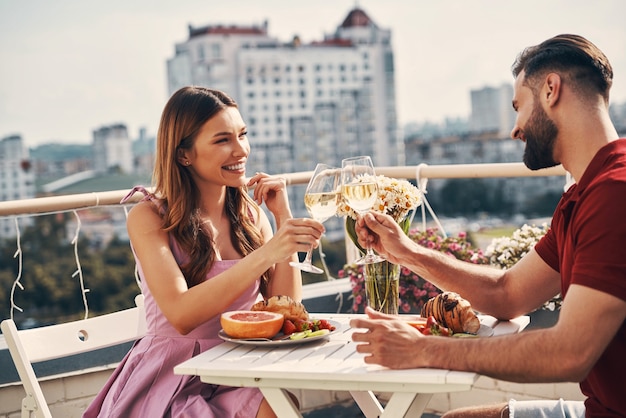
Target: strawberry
<point x="301" y="325"/>
<point x="288" y="327"/>
<point x="324" y="324"/>
<point x="434" y="328"/>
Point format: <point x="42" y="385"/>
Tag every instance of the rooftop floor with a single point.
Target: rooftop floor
<point x="345" y="410"/>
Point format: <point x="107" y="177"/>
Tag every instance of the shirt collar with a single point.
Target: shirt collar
<point x="597" y="164"/>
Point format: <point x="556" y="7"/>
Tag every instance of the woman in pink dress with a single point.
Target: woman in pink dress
<point x="203" y="247"/>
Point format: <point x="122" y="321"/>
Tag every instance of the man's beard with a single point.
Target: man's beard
<point x="540" y="134"/>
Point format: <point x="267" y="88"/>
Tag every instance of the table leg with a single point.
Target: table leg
<point x="368" y="403"/>
<point x="281" y="402"/>
<point x="403" y="404"/>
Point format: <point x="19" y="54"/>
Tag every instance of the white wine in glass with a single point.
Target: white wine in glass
<point x="360" y="190"/>
<point x="321" y="198"/>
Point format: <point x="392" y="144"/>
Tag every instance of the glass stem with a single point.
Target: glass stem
<point x="309" y="256"/>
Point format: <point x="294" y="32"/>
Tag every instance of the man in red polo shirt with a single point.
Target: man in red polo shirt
<point x="561" y="98"/>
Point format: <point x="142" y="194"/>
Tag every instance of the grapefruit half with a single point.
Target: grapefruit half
<point x="251" y="324"/>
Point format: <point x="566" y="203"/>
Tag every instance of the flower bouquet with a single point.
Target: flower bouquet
<point x="397" y="198"/>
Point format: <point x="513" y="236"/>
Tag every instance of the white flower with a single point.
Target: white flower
<point x="504" y="252"/>
<point x="395" y="198"/>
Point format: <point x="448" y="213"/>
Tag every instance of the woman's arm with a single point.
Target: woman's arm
<point x="186" y="308"/>
<point x="284" y="279"/>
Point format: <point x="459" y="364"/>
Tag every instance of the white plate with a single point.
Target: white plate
<point x="485" y="331"/>
<point x="278" y="339"/>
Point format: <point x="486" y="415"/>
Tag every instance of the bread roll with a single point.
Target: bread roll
<point x="284" y="305"/>
<point x="453" y="312"/>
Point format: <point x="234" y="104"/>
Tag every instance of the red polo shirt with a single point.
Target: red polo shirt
<point x="587" y="245"/>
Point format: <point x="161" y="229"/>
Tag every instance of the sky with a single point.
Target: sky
<point x="69" y="67"/>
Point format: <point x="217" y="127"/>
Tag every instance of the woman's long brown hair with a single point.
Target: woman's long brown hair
<point x="183" y="116"/>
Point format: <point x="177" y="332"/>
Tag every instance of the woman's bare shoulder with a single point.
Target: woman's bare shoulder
<point x="144" y="211"/>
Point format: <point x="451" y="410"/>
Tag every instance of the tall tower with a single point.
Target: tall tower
<point x="378" y="83"/>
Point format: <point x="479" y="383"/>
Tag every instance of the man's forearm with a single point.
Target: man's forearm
<point x="477" y="283"/>
<point x="531" y="357"/>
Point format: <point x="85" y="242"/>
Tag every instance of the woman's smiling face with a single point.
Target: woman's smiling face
<point x="220" y="150"/>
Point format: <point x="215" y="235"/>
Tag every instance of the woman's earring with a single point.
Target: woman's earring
<point x="187" y="163"/>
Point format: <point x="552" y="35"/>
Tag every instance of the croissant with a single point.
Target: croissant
<point x="453" y="312"/>
<point x="284" y="305"/>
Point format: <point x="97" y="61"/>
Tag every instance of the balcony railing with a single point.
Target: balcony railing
<point x="421" y="173"/>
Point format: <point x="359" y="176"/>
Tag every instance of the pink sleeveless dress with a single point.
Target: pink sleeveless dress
<point x="144" y="384"/>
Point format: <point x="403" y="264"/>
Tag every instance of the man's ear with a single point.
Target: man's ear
<point x="552" y="89"/>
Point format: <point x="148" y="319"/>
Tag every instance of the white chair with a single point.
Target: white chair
<point x="56" y="341"/>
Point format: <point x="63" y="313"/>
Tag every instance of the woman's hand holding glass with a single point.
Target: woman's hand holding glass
<point x="321" y="198"/>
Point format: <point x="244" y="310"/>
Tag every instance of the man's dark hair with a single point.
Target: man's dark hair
<point x="576" y="59"/>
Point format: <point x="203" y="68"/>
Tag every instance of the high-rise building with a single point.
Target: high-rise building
<point x="112" y="149"/>
<point x="17" y="180"/>
<point x="303" y="103"/>
<point x="492" y="110"/>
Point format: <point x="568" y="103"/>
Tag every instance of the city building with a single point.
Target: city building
<point x="492" y="110"/>
<point x="17" y="180"/>
<point x="112" y="149"/>
<point x="303" y="103"/>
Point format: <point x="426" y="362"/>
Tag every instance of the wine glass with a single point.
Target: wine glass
<point x="321" y="198"/>
<point x="360" y="190"/>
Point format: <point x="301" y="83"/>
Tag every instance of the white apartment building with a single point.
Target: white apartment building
<point x="17" y="180"/>
<point x="303" y="103"/>
<point x="492" y="110"/>
<point x="112" y="149"/>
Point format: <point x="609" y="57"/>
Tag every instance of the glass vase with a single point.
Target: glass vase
<point x="382" y="286"/>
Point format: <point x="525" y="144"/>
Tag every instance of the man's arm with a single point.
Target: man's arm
<point x="565" y="352"/>
<point x="490" y="290"/>
<point x="588" y="320"/>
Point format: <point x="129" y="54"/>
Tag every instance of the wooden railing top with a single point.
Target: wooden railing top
<point x="420" y="172"/>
